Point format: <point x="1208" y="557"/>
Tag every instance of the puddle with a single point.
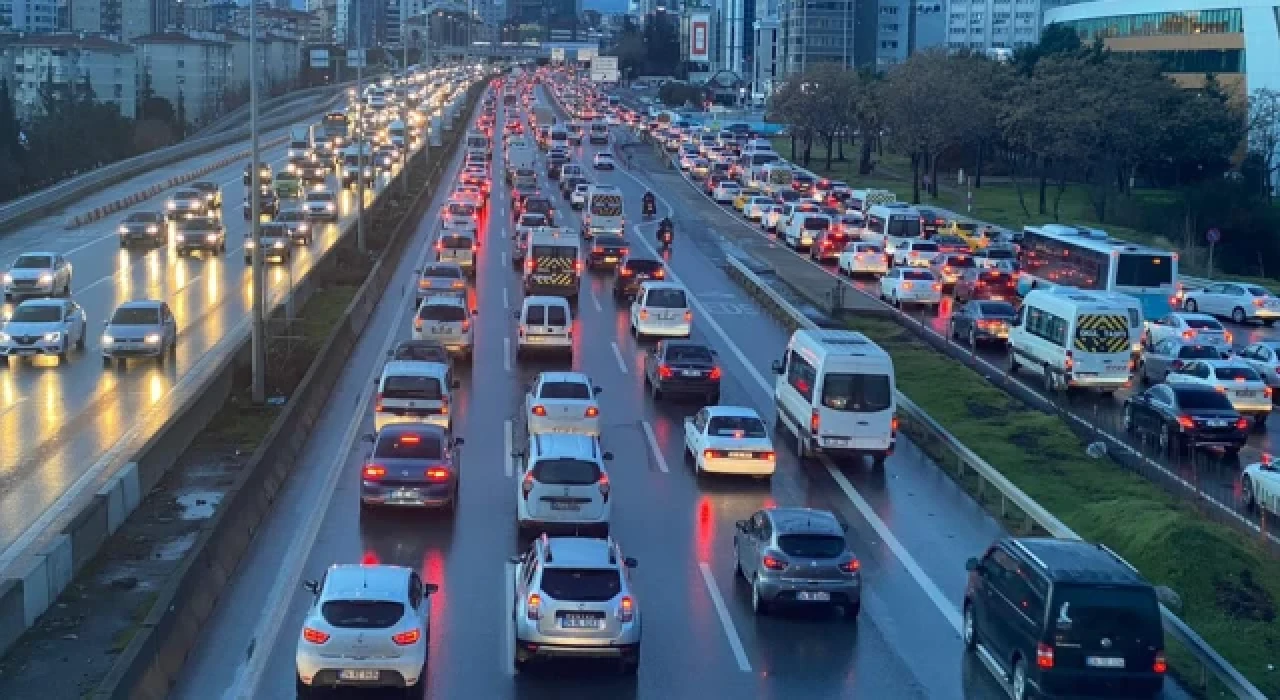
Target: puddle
<point x="174" y="549"/>
<point x="198" y="505"/>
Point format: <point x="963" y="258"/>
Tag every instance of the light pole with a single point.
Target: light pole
<point x="258" y="339"/>
<point x="404" y="117"/>
<point x="361" y="244"/>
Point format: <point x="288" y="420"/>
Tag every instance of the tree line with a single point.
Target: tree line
<point x="1059" y="114"/>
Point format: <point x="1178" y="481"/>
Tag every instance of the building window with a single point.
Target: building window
<point x="1160" y="24"/>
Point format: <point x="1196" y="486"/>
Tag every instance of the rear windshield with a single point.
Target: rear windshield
<point x="442" y="271"/>
<point x="556" y="316"/>
<point x="868" y="248"/>
<point x="456" y="242"/>
<point x="1199" y="352"/>
<point x="1258" y="291"/>
<point x="1203" y="324"/>
<point x="566" y="472"/>
<point x="425" y="388"/>
<point x="856" y="393"/>
<point x="645" y="266"/>
<point x="997" y="308"/>
<point x="666" y="299"/>
<point x="736" y="426"/>
<point x="537" y="205"/>
<point x="925" y="247"/>
<point x="409" y="446"/>
<point x="905" y="227"/>
<point x="461" y="209"/>
<point x="1092" y="612"/>
<point x="811" y="546"/>
<point x="919" y="275"/>
<point x="422" y="352"/>
<point x="586" y="585"/>
<point x="688" y="353"/>
<point x="362" y="614"/>
<point x="1244" y="374"/>
<point x="442" y="312"/>
<point x="292" y="215"/>
<point x="816" y="223"/>
<point x="319" y="197"/>
<point x="999" y="254"/>
<point x="960" y="261"/>
<point x="565" y="390"/>
<point x="554" y="251"/>
<point x="533" y="220"/>
<point x="1203" y="399"/>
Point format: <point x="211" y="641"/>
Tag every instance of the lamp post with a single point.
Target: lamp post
<point x="361" y="243"/>
<point x="258" y="339"/>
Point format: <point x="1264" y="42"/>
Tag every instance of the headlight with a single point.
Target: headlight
<point x="8" y="279"/>
<point x="124" y="230"/>
<point x="52" y="336"/>
<point x="179" y="237"/>
<point x="150" y="339"/>
<point x="46" y="278"/>
<point x="248" y="244"/>
<point x="303" y="227"/>
<point x="329" y="206"/>
<point x="211" y="237"/>
<point x="171" y="204"/>
<point x="4" y="337"/>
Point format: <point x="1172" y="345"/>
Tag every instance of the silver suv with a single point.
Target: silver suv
<point x="797" y="556"/>
<point x="563" y="485"/>
<point x="573" y="598"/>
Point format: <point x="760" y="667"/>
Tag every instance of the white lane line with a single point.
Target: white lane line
<point x="654" y="447"/>
<point x="506" y="302"/>
<point x="506" y="354"/>
<point x="508" y="622"/>
<point x="945" y="606"/>
<point x="595" y="300"/>
<point x="508" y="445"/>
<point x="722" y="611"/>
<point x="503" y="257"/>
<point x="617" y="355"/>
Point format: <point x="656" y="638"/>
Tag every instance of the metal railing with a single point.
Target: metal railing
<point x="1211" y="664"/>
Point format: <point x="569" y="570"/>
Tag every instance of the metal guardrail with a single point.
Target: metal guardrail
<point x="1211" y="663"/>
<point x="51" y="198"/>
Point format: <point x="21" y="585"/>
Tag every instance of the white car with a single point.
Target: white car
<point x="1260" y="486"/>
<point x="1239" y="302"/>
<point x="562" y="402"/>
<point x="916" y="253"/>
<point x="603" y="161"/>
<point x="368" y="626"/>
<point x="321" y="205"/>
<point x="688" y="159"/>
<point x="755" y="208"/>
<point x="1249" y="394"/>
<point x="860" y="258"/>
<point x="38" y="274"/>
<point x="725" y="191"/>
<point x="447" y="320"/>
<point x="563" y="485"/>
<point x="729" y="440"/>
<point x="904" y="285"/>
<point x="1201" y="329"/>
<point x="43" y="327"/>
<point x="771" y="217"/>
<point x="1264" y="358"/>
<point x="459" y="216"/>
<point x="661" y="309"/>
<point x="578" y="198"/>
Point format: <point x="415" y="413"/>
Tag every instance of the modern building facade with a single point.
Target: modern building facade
<point x="844" y="32"/>
<point x="33" y="16"/>
<point x="108" y="67"/>
<point x="980" y="25"/>
<point x="926" y="21"/>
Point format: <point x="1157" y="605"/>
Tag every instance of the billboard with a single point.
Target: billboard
<point x="319" y="58"/>
<point x="557" y="54"/>
<point x="700" y="37"/>
<point x="586" y="54"/>
<point x="604" y="69"/>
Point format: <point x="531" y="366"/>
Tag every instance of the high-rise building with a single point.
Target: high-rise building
<point x="732" y="45"/>
<point x="843" y="32"/>
<point x="893" y="32"/>
<point x="927" y="20"/>
<point x="983" y="25"/>
<point x="544" y="12"/>
<point x="34" y="16"/>
<point x="360" y="23"/>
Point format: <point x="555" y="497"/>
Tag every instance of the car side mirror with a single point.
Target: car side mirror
<point x="972" y="564"/>
<point x="741" y="525"/>
<point x="596" y="389"/>
<point x="608" y="456"/>
<point x="367" y="437"/>
<point x="459" y="442"/>
<point x="313" y="586"/>
<point x="777" y="366"/>
<point x="630" y="562"/>
<point x="431" y="588"/>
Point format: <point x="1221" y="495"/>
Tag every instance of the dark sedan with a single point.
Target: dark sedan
<point x="983" y="321"/>
<point x="411" y="464"/>
<point x="607" y="250"/>
<point x="829" y="243"/>
<point x="632" y="272"/>
<point x="147" y="227"/>
<point x="422" y="351"/>
<point x="931" y="222"/>
<point x="1186" y="417"/>
<point x="682" y="368"/>
<point x="979" y="283"/>
<point x="538" y="205"/>
<point x="568" y="184"/>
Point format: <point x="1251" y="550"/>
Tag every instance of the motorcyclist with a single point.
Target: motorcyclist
<point x="650" y="203"/>
<point x="666" y="230"/>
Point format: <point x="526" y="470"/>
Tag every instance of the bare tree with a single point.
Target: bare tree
<point x="1264" y="132"/>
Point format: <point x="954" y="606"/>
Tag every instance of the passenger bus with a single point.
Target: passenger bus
<point x="1074" y="256"/>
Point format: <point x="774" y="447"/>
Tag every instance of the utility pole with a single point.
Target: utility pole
<point x="361" y="243"/>
<point x="258" y="340"/>
<point x="404" y="118"/>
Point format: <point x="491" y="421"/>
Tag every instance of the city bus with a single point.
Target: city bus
<point x="1075" y="256"/>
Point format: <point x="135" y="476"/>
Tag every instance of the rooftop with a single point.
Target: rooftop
<point x="70" y="41"/>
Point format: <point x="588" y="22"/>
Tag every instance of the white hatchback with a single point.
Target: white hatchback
<point x="661" y="309"/>
<point x="905" y="285"/>
<point x="862" y="259"/>
<point x="562" y="402"/>
<point x="729" y="440"/>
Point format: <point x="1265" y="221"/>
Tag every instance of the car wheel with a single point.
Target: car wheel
<point x="1247" y="495"/>
<point x="1167" y="439"/>
<point x="759" y="605"/>
<point x="1238" y="316"/>
<point x="1190" y="305"/>
<point x="160" y="359"/>
<point x="1019" y="683"/>
<point x="969" y="629"/>
<point x="973" y="339"/>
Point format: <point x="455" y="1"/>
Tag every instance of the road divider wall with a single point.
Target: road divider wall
<point x="1013" y="502"/>
<point x="58" y="196"/>
<point x="157" y="653"/>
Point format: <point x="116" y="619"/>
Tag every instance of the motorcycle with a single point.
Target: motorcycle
<point x="649" y="210"/>
<point x="665" y="237"/>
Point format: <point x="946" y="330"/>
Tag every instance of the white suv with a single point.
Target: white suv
<point x="563" y="485"/>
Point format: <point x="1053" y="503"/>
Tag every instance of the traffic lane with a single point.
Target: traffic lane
<point x="230" y="633"/>
<point x="64" y="419"/>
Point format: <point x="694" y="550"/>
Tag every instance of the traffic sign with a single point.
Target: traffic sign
<point x="1213" y="236"/>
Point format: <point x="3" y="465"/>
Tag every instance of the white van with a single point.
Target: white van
<point x="545" y="323"/>
<point x="1073" y="340"/>
<point x="414" y="392"/>
<point x="803" y="228"/>
<point x="891" y="225"/>
<point x="1130" y="304"/>
<point x="661" y="309"/>
<point x="835" y="392"/>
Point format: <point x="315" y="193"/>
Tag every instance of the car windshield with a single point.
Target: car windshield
<point x="857" y="393"/>
<point x="689" y="353"/>
<point x="459" y="209"/>
<point x="411" y="387"/>
<point x="925" y="247"/>
<point x="816" y="223"/>
<point x="444" y="313"/>
<point x="37" y="313"/>
<point x="1244" y="374"/>
<point x="737" y="426"/>
<point x="565" y="390"/>
<point x="1203" y="324"/>
<point x="1199" y="352"/>
<point x="1203" y="399"/>
<point x="960" y="261"/>
<point x="144" y="217"/>
<point x="200" y="225"/>
<point x="533" y="220"/>
<point x="442" y="271"/>
<point x="1258" y="291"/>
<point x="33" y="262"/>
<point x="586" y="585"/>
<point x="666" y="299"/>
<point x="566" y="472"/>
<point x="292" y="215"/>
<point x="136" y="316"/>
<point x="319" y="197"/>
<point x="362" y="614"/>
<point x="644" y="266"/>
<point x="403" y="445"/>
<point x="811" y="546"/>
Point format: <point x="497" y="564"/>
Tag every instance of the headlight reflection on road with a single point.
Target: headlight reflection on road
<point x="156" y="387"/>
<point x="212" y="269"/>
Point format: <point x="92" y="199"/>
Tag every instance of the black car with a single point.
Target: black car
<point x="147" y="227"/>
<point x="983" y="321"/>
<point x="680" y="367"/>
<point x="930" y="222"/>
<point x="985" y="283"/>
<point x="422" y="351"/>
<point x="555" y="162"/>
<point x="1061" y="617"/>
<point x="539" y="205"/>
<point x="518" y="197"/>
<point x="607" y="250"/>
<point x="568" y="184"/>
<point x="1186" y="417"/>
<point x="268" y="204"/>
<point x="264" y="173"/>
<point x="632" y="272"/>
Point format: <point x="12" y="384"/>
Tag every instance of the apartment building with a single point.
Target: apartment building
<point x="29" y="16"/>
<point x="844" y="32"/>
<point x="993" y="25"/>
<point x="192" y="67"/>
<point x="107" y="66"/>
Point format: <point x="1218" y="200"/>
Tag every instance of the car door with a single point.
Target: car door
<point x="1159" y="403"/>
<point x="962" y="320"/>
<point x="1002" y="608"/>
<point x="694" y="430"/>
<point x="77" y="323"/>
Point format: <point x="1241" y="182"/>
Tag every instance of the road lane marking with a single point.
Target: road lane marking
<point x="654" y="447"/>
<point x="726" y="622"/>
<point x="503" y="257"/>
<point x="596" y="302"/>
<point x="506" y="354"/>
<point x="506" y="303"/>
<point x="509" y="648"/>
<point x="617" y="355"/>
<point x="508" y="462"/>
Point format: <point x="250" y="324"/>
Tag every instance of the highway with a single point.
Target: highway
<point x="68" y="425"/>
<point x="911" y="526"/>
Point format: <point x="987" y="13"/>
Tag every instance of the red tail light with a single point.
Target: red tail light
<point x="664" y="372"/>
<point x="1160" y="665"/>
<point x="591" y="412"/>
<point x="659" y="273"/>
<point x="627" y="611"/>
<point x="466" y="325"/>
<point x="444" y="407"/>
<point x="603" y="483"/>
<point x="893" y="425"/>
<point x="1186" y="422"/>
<point x="688" y="317"/>
<point x="906" y="285"/>
<point x="417" y="324"/>
<point x="437" y="474"/>
<point x="475" y="247"/>
<point x="1228" y="337"/>
<point x="716" y="374"/>
<point x="373" y="472"/>
<point x="644" y="314"/>
<point x="1044" y="656"/>
<point x="404" y="639"/>
<point x="1188" y="335"/>
<point x="577" y="266"/>
<point x="533" y="606"/>
<point x="625" y="272"/>
<point x="773" y="564"/>
<point x="528" y="266"/>
<point x="439" y="245"/>
<point x="850" y="567"/>
<point x="540" y="410"/>
<point x="377" y="401"/>
<point x="937" y="287"/>
<point x="1242" y="423"/>
<point x="526" y="486"/>
<point x="1069" y="363"/>
<point x="815" y="421"/>
<point x="314" y="636"/>
<point x="597" y="249"/>
<point x="624" y="251"/>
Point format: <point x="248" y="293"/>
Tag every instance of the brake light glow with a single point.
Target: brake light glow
<point x="644" y="314"/>
<point x="664" y="372"/>
<point x="688" y="316"/>
<point x="1160" y="665"/>
<point x="591" y="412"/>
<point x="466" y="325"/>
<point x="851" y="567"/>
<point x="533" y="606"/>
<point x="1228" y="336"/>
<point x="815" y="421"/>
<point x="937" y="287"/>
<point x="373" y="472"/>
<point x="1044" y="656"/>
<point x="437" y="474"/>
<point x="404" y="639"/>
<point x="540" y="410"/>
<point x="410" y="439"/>
<point x="715" y="374"/>
<point x="893" y="425"/>
<point x="603" y="483"/>
<point x="906" y="285"/>
<point x="773" y="564"/>
<point x="526" y="486"/>
<point x="314" y="636"/>
<point x="377" y="401"/>
<point x="577" y="266"/>
<point x="659" y="273"/>
<point x="1242" y="423"/>
<point x="625" y="272"/>
<point x="1188" y="335"/>
<point x="1069" y="363"/>
<point x="1186" y="422"/>
<point x="444" y="406"/>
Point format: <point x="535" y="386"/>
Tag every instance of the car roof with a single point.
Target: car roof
<point x="1077" y="561"/>
<point x="368" y="582"/>
<point x="797" y="520"/>
<point x="663" y="284"/>
<point x="579" y="553"/>
<point x="444" y="300"/>
<point x="731" y="412"/>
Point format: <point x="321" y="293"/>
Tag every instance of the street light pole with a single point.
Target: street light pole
<point x="258" y="336"/>
<point x="404" y="118"/>
<point x="361" y="243"/>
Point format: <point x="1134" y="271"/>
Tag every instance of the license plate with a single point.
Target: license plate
<point x="1246" y="394"/>
<point x="691" y="373"/>
<point x="1216" y="423"/>
<point x="739" y="455"/>
<point x="835" y="442"/>
<point x="580" y="623"/>
<point x="814" y="596"/>
<point x="439" y="330"/>
<point x="359" y="674"/>
<point x="404" y="493"/>
<point x="562" y="505"/>
<point x="1105" y="661"/>
<point x="610" y="258"/>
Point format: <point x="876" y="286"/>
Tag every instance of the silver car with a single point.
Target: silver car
<point x="185" y="204"/>
<point x="143" y="328"/>
<point x="797" y="556"/>
<point x="38" y="275"/>
<point x="43" y="327"/>
<point x="573" y="598"/>
<point x="457" y="247"/>
<point x="295" y="220"/>
<point x="441" y="279"/>
<point x="275" y="244"/>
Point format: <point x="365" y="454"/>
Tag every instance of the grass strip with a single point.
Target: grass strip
<point x="1228" y="584"/>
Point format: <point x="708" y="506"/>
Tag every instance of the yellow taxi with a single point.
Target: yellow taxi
<point x="744" y="196"/>
<point x="972" y="233"/>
